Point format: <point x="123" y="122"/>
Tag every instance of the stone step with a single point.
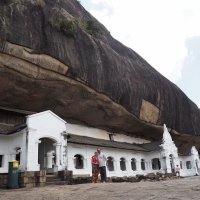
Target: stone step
<point x="52" y="179"/>
<point x="52" y="175"/>
<point x="56" y="183"/>
<point x="81" y="175"/>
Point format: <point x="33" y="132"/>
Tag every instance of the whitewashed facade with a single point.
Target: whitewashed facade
<point x="45" y="145"/>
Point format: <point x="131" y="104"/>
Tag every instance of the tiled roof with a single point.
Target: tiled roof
<point x="103" y="143"/>
<point x="13" y="129"/>
<point x="184" y="152"/>
<point x="153" y="146"/>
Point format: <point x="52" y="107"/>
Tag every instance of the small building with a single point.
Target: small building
<point x="46" y="142"/>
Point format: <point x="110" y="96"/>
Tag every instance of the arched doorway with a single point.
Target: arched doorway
<point x="45" y="148"/>
<point x="78" y="161"/>
<point x="188" y="165"/>
<point x="155" y="164"/>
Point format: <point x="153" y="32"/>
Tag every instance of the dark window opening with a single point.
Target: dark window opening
<point x="78" y="161"/>
<point x="1" y="160"/>
<point x="133" y="164"/>
<point x="122" y="164"/>
<point x="188" y="165"/>
<point x="111" y="137"/>
<point x="110" y="164"/>
<point x="143" y="164"/>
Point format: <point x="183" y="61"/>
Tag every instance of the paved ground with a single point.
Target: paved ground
<point x="183" y="189"/>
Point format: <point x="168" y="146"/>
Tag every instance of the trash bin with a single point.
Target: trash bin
<point x="13" y="175"/>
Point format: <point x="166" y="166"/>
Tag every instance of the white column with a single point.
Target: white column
<point x="130" y="166"/>
<point x="150" y="165"/>
<point x="36" y="151"/>
<point x="168" y="166"/>
<point x="57" y="145"/>
<point x="139" y="168"/>
<point x="30" y="164"/>
<point x="161" y="163"/>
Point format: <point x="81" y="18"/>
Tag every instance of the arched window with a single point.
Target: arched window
<point x="1" y="160"/>
<point x="143" y="164"/>
<point x="123" y="164"/>
<point x="188" y="165"/>
<point x="110" y="164"/>
<point x="155" y="164"/>
<point x="78" y="161"/>
<point x="133" y="164"/>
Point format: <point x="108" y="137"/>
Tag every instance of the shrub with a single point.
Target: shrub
<point x="56" y="19"/>
<point x="68" y="27"/>
<point x="92" y="28"/>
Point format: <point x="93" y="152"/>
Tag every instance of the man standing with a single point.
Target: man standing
<point x="102" y="164"/>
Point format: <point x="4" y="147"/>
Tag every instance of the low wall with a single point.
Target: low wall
<point x="65" y="175"/>
<point x="3" y="180"/>
<point x="138" y="178"/>
<point x="29" y="179"/>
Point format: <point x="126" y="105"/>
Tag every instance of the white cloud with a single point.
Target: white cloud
<point x="156" y="29"/>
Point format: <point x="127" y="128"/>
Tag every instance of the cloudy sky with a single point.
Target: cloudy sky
<point x="166" y="33"/>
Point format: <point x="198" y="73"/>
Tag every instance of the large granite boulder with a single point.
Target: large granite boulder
<point x="86" y="79"/>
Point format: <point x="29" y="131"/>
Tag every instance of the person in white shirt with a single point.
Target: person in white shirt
<point x="102" y="165"/>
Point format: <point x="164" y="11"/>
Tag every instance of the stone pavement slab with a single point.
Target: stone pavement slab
<point x="179" y="189"/>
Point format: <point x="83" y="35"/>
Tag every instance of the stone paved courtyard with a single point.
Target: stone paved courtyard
<point x="183" y="189"/>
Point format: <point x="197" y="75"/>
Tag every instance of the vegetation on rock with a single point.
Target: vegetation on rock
<point x="92" y="28"/>
<point x="41" y="3"/>
<point x="68" y="27"/>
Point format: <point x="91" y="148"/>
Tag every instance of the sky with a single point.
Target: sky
<point x="166" y="33"/>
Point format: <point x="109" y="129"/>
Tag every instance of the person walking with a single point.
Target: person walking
<point x="102" y="165"/>
<point x="177" y="170"/>
<point x="95" y="167"/>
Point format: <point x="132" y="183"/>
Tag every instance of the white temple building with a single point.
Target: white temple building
<point x="46" y="142"/>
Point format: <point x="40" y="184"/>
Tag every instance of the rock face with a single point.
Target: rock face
<point x="85" y="80"/>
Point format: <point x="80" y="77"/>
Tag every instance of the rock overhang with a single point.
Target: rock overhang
<point x="96" y="82"/>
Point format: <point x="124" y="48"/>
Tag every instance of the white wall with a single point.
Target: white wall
<point x="8" y="144"/>
<point x="45" y="125"/>
<point x="88" y="151"/>
<point x="128" y="139"/>
<point x="86" y="131"/>
<point x="101" y="134"/>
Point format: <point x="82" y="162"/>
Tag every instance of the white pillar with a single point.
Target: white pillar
<point x="57" y="145"/>
<point x="161" y="163"/>
<point x="150" y="165"/>
<point x="139" y="168"/>
<point x="30" y="164"/>
<point x="168" y="165"/>
<point x="36" y="151"/>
